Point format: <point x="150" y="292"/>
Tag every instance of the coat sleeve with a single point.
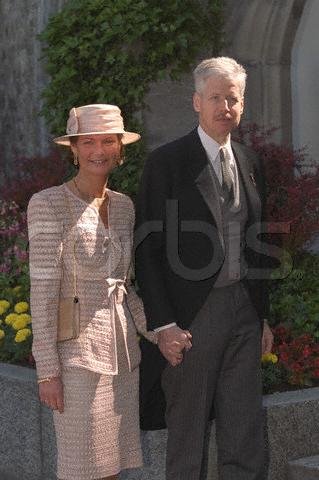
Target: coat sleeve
<point x="150" y="244"/>
<point x="45" y="240"/>
<point x="260" y="288"/>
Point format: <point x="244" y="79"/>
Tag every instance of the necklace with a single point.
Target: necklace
<point x="90" y="198"/>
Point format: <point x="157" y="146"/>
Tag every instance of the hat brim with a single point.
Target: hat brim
<point x="127" y="137"/>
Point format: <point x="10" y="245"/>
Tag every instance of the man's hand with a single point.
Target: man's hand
<point x="267" y="339"/>
<point x="172" y="341"/>
<point x="51" y="394"/>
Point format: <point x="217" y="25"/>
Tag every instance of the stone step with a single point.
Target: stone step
<point x="304" y="468"/>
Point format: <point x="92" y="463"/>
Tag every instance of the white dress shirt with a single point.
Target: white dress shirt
<point x="212" y="150"/>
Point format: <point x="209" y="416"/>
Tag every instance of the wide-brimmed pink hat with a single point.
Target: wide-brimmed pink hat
<point x="96" y="119"/>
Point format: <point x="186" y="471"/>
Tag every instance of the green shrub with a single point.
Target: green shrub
<point x="273" y="377"/>
<point x="295" y="299"/>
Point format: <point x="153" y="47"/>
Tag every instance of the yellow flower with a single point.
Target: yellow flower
<point x="16" y="289"/>
<point x="2" y="334"/>
<point x="269" y="358"/>
<point x="22" y="335"/>
<point x="11" y="318"/>
<point x="21" y="307"/>
<point x="19" y="323"/>
<point x="4" y="305"/>
<point x="25" y="317"/>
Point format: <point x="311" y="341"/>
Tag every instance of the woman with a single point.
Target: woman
<point x="80" y="237"/>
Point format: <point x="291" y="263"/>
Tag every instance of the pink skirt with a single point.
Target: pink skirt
<point x="98" y="433"/>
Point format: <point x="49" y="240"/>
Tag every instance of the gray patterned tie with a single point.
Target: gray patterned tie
<point x="227" y="185"/>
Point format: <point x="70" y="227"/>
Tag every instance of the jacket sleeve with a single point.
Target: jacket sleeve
<point x="45" y="240"/>
<point x="134" y="302"/>
<point x="150" y="244"/>
<point x="136" y="308"/>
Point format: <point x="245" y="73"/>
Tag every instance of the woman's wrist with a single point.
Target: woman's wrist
<point x="45" y="380"/>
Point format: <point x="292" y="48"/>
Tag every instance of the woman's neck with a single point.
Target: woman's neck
<point x="92" y="186"/>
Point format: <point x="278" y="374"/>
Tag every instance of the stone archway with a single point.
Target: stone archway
<point x="262" y="34"/>
<point x="304" y="80"/>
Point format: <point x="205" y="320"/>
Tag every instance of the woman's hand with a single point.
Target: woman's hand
<point x="51" y="393"/>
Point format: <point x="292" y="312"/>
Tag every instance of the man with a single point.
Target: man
<point x="198" y="210"/>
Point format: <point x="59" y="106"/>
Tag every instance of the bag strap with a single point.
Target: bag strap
<point x="67" y="203"/>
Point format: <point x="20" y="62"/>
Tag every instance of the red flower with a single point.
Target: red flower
<point x="284" y="357"/>
<point x="296" y="367"/>
<point x="307" y="351"/>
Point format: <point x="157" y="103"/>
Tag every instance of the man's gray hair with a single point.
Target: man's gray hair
<point x="225" y="67"/>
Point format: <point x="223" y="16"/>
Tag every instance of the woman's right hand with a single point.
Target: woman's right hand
<point x="51" y="394"/>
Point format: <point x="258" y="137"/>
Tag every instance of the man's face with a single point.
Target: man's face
<point x="220" y="106"/>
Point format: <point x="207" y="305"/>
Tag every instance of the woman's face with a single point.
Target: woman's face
<point x="97" y="154"/>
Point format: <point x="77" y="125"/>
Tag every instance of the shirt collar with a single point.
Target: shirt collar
<point x="211" y="146"/>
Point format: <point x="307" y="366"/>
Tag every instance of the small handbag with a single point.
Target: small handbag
<point x="68" y="319"/>
<point x="69" y="312"/>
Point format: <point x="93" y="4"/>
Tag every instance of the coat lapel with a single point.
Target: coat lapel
<point x="201" y="171"/>
<point x="247" y="174"/>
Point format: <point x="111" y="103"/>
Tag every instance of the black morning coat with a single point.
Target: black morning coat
<point x="179" y="248"/>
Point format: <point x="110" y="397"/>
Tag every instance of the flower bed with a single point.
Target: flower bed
<point x="15" y="329"/>
<point x="294" y="363"/>
<point x="15" y="318"/>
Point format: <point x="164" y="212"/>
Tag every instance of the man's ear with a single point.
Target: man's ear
<point x="242" y="105"/>
<point x="196" y="102"/>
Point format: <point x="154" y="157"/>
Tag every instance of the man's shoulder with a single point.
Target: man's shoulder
<point x="176" y="147"/>
<point x="249" y="153"/>
<point x="243" y="148"/>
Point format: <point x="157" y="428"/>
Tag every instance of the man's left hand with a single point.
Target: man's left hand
<point x="267" y="339"/>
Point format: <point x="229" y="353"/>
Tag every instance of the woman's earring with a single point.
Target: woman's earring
<point x="75" y="161"/>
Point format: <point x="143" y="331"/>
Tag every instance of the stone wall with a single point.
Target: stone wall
<point x="27" y="440"/>
<point x="22" y="131"/>
<point x="261" y="35"/>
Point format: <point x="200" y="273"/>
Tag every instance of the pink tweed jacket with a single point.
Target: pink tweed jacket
<point x="66" y="233"/>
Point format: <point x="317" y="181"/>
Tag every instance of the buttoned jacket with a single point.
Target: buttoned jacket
<point x="68" y="243"/>
<point x="178" y="235"/>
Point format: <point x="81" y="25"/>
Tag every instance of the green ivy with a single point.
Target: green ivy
<point x="110" y="52"/>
